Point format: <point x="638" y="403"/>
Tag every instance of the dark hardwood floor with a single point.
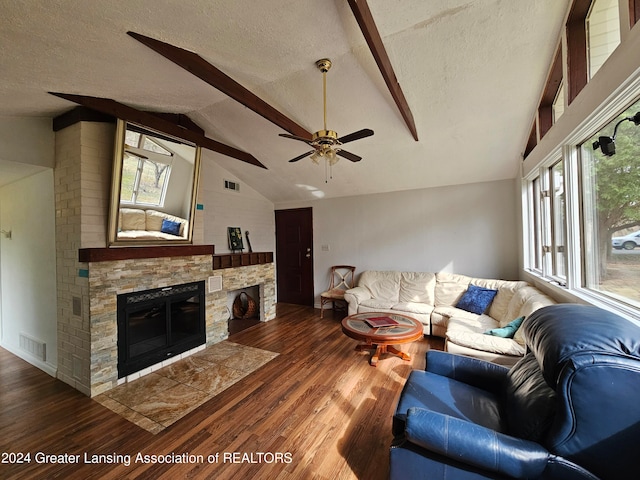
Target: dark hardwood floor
<point x="317" y="411"/>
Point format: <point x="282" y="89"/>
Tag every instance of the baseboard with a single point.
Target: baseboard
<point x="45" y="367"/>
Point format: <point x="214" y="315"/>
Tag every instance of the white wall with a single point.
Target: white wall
<point x="469" y="229"/>
<point x="27" y="140"/>
<point x="223" y="208"/>
<point x="27" y="266"/>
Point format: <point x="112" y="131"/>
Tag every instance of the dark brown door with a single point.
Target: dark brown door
<point x="294" y="256"/>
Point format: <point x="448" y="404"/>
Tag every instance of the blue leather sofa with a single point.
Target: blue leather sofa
<point x="570" y="409"/>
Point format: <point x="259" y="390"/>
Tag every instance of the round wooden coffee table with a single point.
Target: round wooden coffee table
<point x="400" y="329"/>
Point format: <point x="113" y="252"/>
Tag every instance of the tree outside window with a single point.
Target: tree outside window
<point x="611" y="205"/>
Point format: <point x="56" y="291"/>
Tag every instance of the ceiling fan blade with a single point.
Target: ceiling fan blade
<point x="365" y="132"/>
<point x="349" y="156"/>
<point x="286" y="135"/>
<point x="300" y="157"/>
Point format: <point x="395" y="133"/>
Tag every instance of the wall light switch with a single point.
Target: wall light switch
<point x="325" y="248"/>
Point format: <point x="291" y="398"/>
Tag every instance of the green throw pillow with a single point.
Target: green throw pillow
<point x="508" y="331"/>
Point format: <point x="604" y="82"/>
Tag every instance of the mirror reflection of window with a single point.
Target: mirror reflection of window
<point x="144" y="181"/>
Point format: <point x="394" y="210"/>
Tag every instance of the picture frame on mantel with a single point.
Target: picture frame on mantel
<point x="235" y="239"/>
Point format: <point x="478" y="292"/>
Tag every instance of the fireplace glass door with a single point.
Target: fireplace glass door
<point x="147" y="329"/>
<point x="154" y="325"/>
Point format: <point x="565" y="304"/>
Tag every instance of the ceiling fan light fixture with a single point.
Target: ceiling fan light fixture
<point x="330" y="155"/>
<point x="316" y="156"/>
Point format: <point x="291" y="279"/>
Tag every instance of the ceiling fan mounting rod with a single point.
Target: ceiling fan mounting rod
<point x="324" y="65"/>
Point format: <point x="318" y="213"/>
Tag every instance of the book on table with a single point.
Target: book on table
<point x="378" y="322"/>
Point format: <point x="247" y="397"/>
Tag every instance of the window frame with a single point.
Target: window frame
<point x="558" y="245"/>
<point x="136" y="183"/>
<point x="587" y="237"/>
<point x="542" y="245"/>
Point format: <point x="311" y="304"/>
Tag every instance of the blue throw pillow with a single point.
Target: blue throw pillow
<point x="170" y="227"/>
<point x="508" y="331"/>
<point x="476" y="299"/>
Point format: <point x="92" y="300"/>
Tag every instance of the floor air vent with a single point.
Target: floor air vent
<point x="33" y="346"/>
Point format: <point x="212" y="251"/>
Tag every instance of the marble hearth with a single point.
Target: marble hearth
<point x="97" y="372"/>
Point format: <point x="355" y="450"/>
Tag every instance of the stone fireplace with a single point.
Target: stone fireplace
<point x="88" y="285"/>
<point x="109" y="278"/>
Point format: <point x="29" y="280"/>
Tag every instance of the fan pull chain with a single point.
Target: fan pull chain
<point x="326" y="166"/>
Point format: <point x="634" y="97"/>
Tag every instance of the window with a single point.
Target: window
<point x="536" y="227"/>
<point x="144" y="182"/>
<point x="547" y="225"/>
<point x="552" y="96"/>
<point x="145" y="171"/>
<point x="558" y="104"/>
<point x="611" y="211"/>
<point x="558" y="235"/>
<point x="603" y="32"/>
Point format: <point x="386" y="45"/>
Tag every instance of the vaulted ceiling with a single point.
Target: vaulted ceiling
<point x="471" y="72"/>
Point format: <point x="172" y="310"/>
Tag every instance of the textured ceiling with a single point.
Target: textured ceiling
<point x="472" y="73"/>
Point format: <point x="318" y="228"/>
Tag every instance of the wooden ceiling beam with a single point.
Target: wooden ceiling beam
<point x="372" y="36"/>
<point x="202" y="69"/>
<point x="155" y="122"/>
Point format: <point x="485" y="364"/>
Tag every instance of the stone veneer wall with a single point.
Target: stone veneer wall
<point x="110" y="278"/>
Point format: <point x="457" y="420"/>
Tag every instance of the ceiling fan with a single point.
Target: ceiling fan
<point x="326" y="143"/>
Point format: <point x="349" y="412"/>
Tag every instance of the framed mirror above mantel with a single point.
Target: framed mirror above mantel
<point x="154" y="188"/>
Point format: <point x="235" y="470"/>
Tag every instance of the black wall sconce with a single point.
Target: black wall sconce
<point x="607" y="145"/>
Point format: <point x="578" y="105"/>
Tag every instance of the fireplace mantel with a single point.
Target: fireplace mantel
<point x="129" y="253"/>
<point x="231" y="260"/>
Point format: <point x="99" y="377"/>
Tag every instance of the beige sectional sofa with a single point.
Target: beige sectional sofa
<point x="431" y="298"/>
<point x="139" y="224"/>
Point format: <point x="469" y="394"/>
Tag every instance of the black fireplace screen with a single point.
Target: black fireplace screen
<point x="154" y="325"/>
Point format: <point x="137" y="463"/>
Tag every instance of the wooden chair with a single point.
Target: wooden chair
<point x="342" y="279"/>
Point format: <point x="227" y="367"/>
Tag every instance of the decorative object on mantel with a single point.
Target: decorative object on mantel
<point x="246" y="233"/>
<point x="235" y="239"/>
<point x="244" y="306"/>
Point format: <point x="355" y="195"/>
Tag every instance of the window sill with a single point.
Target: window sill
<point x="564" y="294"/>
